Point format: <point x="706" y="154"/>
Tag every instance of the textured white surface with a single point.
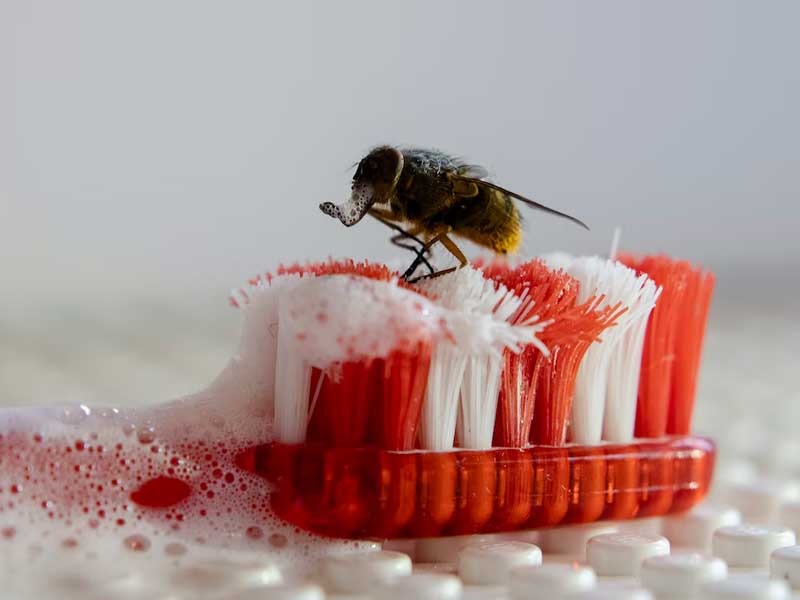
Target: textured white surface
<point x="749" y="545"/>
<point x="760" y="500"/>
<point x="789" y="515"/>
<point x="746" y="587"/>
<point x="358" y="573"/>
<point x="619" y="554"/>
<point x="614" y="590"/>
<point x="784" y="563"/>
<point x="680" y="575"/>
<point x="288" y="591"/>
<point x="572" y="539"/>
<point x="445" y="549"/>
<point x="491" y="563"/>
<point x="422" y="586"/>
<point x="695" y="529"/>
<point x="549" y="581"/>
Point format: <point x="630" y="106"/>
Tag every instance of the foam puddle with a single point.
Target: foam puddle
<point x="68" y="476"/>
<point x="104" y="502"/>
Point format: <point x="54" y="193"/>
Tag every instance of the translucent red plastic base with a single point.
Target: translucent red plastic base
<point x="371" y="493"/>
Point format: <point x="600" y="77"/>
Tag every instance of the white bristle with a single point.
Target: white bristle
<point x="616" y="283"/>
<point x="481" y="388"/>
<point x="479" y="396"/>
<point x="293" y="386"/>
<point x="615" y="238"/>
<point x="461" y="291"/>
<point x="291" y="389"/>
<point x="255" y="359"/>
<point x="440" y="408"/>
<point x="331" y="319"/>
<point x="625" y="365"/>
<point x="470" y="365"/>
<point x="481" y="382"/>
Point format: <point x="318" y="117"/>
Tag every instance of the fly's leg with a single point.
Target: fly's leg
<point x="451" y="247"/>
<point x="420" y="252"/>
<point x="384" y="217"/>
<point x="433" y="275"/>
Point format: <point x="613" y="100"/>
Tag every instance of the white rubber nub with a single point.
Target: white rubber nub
<point x="760" y="501"/>
<point x="784" y="564"/>
<point x="491" y="563"/>
<point x="445" y="549"/>
<point x="789" y="515"/>
<point x="573" y="538"/>
<point x="282" y="591"/>
<point x="745" y="587"/>
<point x="749" y="545"/>
<point x="610" y="590"/>
<point x="549" y="581"/>
<point x="199" y="576"/>
<point x="680" y="575"/>
<point x="617" y="554"/>
<point x="421" y="586"/>
<point x="359" y="573"/>
<point x="694" y="530"/>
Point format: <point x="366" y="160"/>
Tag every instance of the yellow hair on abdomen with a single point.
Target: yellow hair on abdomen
<point x="510" y="242"/>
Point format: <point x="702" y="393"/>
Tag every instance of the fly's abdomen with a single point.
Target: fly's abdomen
<point x="490" y="220"/>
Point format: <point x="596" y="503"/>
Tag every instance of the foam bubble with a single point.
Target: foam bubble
<point x="102" y="496"/>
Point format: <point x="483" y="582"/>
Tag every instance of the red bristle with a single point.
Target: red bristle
<point x="693" y="319"/>
<point x="515" y="404"/>
<point x="403" y="375"/>
<point x="556" y="383"/>
<point x="494" y="267"/>
<point x="672" y="346"/>
<point x="371" y="401"/>
<point x="340" y="416"/>
<point x="658" y="357"/>
<point x="374" y="400"/>
<point x="552" y="294"/>
<point x="536" y="391"/>
<point x="377" y="271"/>
<point x="340" y="267"/>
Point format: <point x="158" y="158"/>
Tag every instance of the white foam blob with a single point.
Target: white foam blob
<point x="77" y="485"/>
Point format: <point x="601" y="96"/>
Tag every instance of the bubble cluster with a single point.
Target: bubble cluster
<point x="168" y="483"/>
<point x="136" y="489"/>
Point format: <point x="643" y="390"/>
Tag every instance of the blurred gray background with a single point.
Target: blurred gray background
<point x="154" y="154"/>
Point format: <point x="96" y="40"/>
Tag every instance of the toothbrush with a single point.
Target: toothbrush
<point x="492" y="475"/>
<point x="352" y="409"/>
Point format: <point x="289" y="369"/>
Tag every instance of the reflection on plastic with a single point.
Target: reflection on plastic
<point x="366" y="492"/>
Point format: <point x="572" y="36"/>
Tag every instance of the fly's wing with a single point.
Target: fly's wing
<point x="469" y="182"/>
<point x="472" y="172"/>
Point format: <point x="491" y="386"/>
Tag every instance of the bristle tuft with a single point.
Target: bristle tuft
<point x="327" y="351"/>
<point x="672" y="346"/>
<point x="536" y="353"/>
<point x="552" y="294"/>
<point x="481" y="324"/>
<point x="620" y="288"/>
<point x="625" y="363"/>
